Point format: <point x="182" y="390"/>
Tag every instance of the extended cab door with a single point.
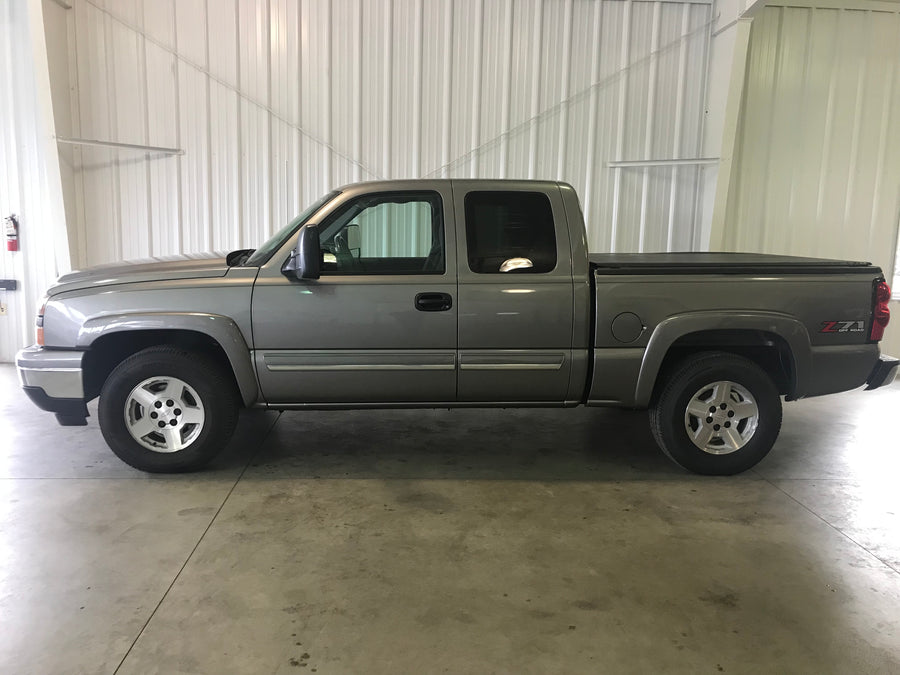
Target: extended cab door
<point x="515" y="292"/>
<point x="379" y="326"/>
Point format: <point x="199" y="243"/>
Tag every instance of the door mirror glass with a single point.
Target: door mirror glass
<point x="354" y="239"/>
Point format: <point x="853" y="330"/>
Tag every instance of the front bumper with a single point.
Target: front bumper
<point x="52" y="379"/>
<point x="883" y="373"/>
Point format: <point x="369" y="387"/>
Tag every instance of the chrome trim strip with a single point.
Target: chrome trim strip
<point x="512" y="359"/>
<point x="357" y="361"/>
<point x="370" y="366"/>
<point x="510" y="366"/>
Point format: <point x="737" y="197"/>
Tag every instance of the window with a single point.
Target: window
<point x="385" y="233"/>
<point x="510" y="232"/>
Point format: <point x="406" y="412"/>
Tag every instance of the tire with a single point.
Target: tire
<point x="166" y="410"/>
<point x="693" y="418"/>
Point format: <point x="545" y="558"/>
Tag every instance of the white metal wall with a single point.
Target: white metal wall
<point x="276" y="101"/>
<point x="29" y="172"/>
<point x="819" y="156"/>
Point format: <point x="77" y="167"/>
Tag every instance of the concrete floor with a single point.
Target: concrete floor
<point x="500" y="541"/>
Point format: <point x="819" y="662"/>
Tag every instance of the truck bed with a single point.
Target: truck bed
<point x="719" y="263"/>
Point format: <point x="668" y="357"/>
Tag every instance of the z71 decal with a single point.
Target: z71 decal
<point x="843" y="327"/>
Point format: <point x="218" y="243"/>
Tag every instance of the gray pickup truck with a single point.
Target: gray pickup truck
<point x="443" y="293"/>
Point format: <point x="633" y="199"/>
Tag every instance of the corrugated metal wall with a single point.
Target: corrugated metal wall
<point x="819" y="157"/>
<point x="276" y="101"/>
<point x="29" y="172"/>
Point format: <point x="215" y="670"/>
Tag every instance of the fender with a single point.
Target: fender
<point x="668" y="331"/>
<point x="220" y="328"/>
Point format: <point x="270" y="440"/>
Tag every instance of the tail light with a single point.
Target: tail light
<point x="881" y="315"/>
<point x="39" y="325"/>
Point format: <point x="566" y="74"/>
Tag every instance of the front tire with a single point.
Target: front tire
<point x="717" y="414"/>
<point x="165" y="410"/>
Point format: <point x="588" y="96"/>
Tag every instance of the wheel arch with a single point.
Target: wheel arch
<point x="109" y="340"/>
<point x="778" y="343"/>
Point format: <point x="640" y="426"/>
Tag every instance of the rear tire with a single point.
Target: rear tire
<point x="717" y="414"/>
<point x="166" y="410"/>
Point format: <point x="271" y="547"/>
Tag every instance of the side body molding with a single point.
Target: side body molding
<point x="668" y="331"/>
<point x="220" y="328"/>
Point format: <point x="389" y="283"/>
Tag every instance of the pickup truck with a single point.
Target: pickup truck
<point x="443" y="293"/>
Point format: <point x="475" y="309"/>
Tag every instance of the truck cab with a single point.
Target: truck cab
<point x="435" y="293"/>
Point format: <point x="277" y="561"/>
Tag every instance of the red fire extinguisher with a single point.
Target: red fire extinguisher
<point x="12" y="233"/>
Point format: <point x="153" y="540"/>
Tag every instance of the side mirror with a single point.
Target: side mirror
<point x="354" y="239"/>
<point x="306" y="259"/>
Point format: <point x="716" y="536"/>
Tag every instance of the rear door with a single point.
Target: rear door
<point x="379" y="326"/>
<point x="515" y="292"/>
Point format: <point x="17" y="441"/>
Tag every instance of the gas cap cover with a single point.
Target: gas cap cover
<point x="627" y="327"/>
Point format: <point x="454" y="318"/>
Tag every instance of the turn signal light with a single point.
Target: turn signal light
<point x="881" y="315"/>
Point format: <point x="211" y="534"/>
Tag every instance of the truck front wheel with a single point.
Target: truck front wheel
<point x="716" y="414"/>
<point x="165" y="410"/>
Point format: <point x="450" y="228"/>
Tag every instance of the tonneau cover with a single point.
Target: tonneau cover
<point x="720" y="263"/>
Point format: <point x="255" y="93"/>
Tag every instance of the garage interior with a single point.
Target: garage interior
<point x="505" y="541"/>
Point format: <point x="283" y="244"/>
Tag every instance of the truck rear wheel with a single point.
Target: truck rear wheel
<point x="165" y="410"/>
<point x="717" y="414"/>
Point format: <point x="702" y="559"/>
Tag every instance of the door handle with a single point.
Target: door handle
<point x="433" y="302"/>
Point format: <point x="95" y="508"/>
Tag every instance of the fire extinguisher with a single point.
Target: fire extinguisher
<point x="12" y="233"/>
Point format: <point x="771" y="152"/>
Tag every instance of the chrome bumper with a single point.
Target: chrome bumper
<point x="52" y="379"/>
<point x="883" y="373"/>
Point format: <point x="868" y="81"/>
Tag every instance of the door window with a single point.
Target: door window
<point x="385" y="233"/>
<point x="510" y="232"/>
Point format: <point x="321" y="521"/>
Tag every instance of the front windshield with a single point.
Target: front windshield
<point x="263" y="253"/>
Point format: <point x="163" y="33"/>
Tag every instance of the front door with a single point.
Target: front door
<point x="380" y="325"/>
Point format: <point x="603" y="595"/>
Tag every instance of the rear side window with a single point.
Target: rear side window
<point x="510" y="232"/>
